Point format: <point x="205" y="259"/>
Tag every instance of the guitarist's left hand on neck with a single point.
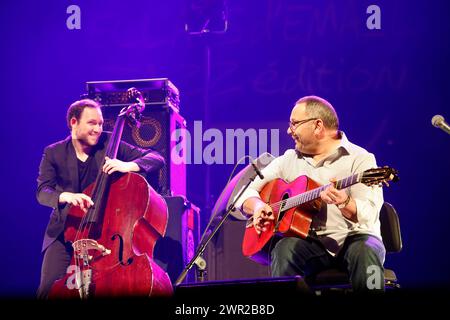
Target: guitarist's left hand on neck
<point x="341" y="199"/>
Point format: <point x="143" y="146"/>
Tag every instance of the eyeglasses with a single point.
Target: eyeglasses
<point x="294" y="125"/>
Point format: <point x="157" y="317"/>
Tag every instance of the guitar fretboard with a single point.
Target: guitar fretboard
<point x="315" y="193"/>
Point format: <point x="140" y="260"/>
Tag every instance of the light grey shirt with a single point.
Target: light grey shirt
<point x="330" y="225"/>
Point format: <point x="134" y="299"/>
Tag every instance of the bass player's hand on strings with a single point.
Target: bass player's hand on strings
<point x="76" y="199"/>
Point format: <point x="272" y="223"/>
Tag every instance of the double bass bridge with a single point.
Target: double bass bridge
<point x="81" y="248"/>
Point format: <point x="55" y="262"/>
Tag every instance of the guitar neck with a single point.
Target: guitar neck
<point x="315" y="193"/>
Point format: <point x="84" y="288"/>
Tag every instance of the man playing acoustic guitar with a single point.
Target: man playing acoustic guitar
<point x="345" y="232"/>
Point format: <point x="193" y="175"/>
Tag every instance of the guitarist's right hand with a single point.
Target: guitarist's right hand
<point x="262" y="216"/>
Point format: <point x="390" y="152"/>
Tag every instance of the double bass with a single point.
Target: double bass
<point x="113" y="241"/>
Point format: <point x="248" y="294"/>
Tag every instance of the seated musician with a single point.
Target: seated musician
<point x="345" y="233"/>
<point x="67" y="168"/>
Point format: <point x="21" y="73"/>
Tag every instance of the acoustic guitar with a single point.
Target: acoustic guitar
<point x="294" y="204"/>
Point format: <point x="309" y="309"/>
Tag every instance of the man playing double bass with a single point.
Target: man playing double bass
<point x="346" y="231"/>
<point x="67" y="168"/>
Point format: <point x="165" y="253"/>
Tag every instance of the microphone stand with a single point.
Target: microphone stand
<point x="197" y="259"/>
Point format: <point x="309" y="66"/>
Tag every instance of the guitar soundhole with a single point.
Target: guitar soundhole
<point x="282" y="211"/>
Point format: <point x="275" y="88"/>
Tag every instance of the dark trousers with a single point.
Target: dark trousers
<point x="362" y="257"/>
<point x="54" y="265"/>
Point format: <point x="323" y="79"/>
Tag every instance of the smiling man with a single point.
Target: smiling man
<point x="67" y="168"/>
<point x="345" y="232"/>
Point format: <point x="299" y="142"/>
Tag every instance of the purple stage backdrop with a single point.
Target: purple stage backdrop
<point x="386" y="71"/>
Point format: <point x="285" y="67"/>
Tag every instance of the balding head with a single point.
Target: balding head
<point x="319" y="108"/>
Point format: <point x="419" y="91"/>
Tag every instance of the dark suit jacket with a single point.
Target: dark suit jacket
<point x="58" y="172"/>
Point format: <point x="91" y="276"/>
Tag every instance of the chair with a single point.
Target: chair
<point x="392" y="240"/>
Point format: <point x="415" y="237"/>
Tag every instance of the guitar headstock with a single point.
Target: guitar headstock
<point x="377" y="176"/>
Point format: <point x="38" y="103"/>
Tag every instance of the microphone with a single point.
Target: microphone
<point x="439" y="122"/>
<point x="258" y="172"/>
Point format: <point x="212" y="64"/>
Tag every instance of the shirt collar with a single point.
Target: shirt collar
<point x="345" y="144"/>
<point x="343" y="149"/>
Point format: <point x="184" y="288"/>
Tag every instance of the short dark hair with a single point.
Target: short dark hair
<point x="76" y="109"/>
<point x="317" y="107"/>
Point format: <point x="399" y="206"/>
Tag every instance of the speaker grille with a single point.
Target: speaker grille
<point x="157" y="124"/>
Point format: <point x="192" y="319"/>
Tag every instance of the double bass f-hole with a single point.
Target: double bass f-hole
<point x="120" y="252"/>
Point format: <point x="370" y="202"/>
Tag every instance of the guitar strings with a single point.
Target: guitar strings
<point x="314" y="193"/>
